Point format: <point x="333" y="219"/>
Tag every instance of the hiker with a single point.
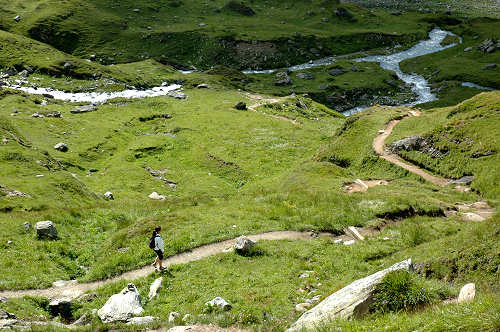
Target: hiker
<point x="156" y="243"/>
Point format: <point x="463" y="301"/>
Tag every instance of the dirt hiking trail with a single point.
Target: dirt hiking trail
<point x="378" y="146"/>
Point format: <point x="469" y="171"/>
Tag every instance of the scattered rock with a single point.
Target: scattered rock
<point x="324" y="19"/>
<point x="141" y="320"/>
<point x="63" y="147"/>
<point x="177" y="95"/>
<point x="348" y="243"/>
<point x="61" y="307"/>
<point x="203" y="86"/>
<point x="240" y="8"/>
<point x="241" y="106"/>
<point x="46" y="229"/>
<point x="417" y="143"/>
<point x="122" y="306"/>
<point x="470" y="216"/>
<point x="24" y="73"/>
<point x="54" y="115"/>
<point x="109" y="196"/>
<point x="282" y="79"/>
<point x="154" y="288"/>
<point x="219" y="303"/>
<point x="467" y="293"/>
<point x="173" y="316"/>
<point x="337" y="71"/>
<point x="26" y="227"/>
<point x="3" y="299"/>
<point x="67" y="66"/>
<point x="156" y="196"/>
<point x="305" y="76"/>
<point x="465" y="180"/>
<point x="487" y="46"/>
<point x="468" y="49"/>
<point x="301" y="307"/>
<point x="6" y="315"/>
<point x="37" y="115"/>
<point x="490" y="66"/>
<point x="17" y="18"/>
<point x="352" y="299"/>
<point x="396" y="13"/>
<point x="84" y="109"/>
<point x="243" y="244"/>
<point x="83" y="320"/>
<point x="315" y="299"/>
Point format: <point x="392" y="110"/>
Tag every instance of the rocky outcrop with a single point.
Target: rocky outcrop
<point x="417" y="143"/>
<point x="46" y="229"/>
<point x="84" y="109"/>
<point x="122" y="306"/>
<point x="350" y="300"/>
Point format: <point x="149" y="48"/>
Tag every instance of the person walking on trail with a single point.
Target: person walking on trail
<point x="156" y="243"/>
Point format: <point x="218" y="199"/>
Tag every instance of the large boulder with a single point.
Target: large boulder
<point x="282" y="79"/>
<point x="243" y="244"/>
<point x="122" y="306"/>
<point x="467" y="293"/>
<point x="352" y="299"/>
<point x="46" y="229"/>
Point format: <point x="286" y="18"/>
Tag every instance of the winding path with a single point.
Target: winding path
<point x="378" y="146"/>
<point x="264" y="101"/>
<point x="73" y="289"/>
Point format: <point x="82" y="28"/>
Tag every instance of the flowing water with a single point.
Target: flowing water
<point x="419" y="84"/>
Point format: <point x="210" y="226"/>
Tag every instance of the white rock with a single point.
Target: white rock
<point x="46" y="229"/>
<point x="173" y="316"/>
<point x="467" y="293"/>
<point x="338" y="241"/>
<point x="348" y="243"/>
<point x="220" y="303"/>
<point x="301" y="307"/>
<point x="122" y="306"/>
<point x="153" y="289"/>
<point x="141" y="320"/>
<point x="345" y="302"/>
<point x="156" y="196"/>
<point x="315" y="299"/>
<point x="109" y="195"/>
<point x="243" y="244"/>
<point x="470" y="216"/>
<point x="61" y="147"/>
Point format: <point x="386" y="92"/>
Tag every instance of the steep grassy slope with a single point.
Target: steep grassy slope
<point x="468" y="134"/>
<point x="194" y="33"/>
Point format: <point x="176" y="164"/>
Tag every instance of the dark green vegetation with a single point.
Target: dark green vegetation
<point x="186" y="33"/>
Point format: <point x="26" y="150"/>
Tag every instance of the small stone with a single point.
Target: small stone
<point x="203" y="86"/>
<point x="61" y="147"/>
<point x="173" y="317"/>
<point x="490" y="66"/>
<point x="470" y="216"/>
<point x="109" y="196"/>
<point x="67" y="65"/>
<point x="26" y="226"/>
<point x="315" y="299"/>
<point x="156" y="196"/>
<point x="177" y="95"/>
<point x="241" y="106"/>
<point x="348" y="243"/>
<point x="338" y="241"/>
<point x="301" y="307"/>
<point x="468" y="49"/>
<point x="324" y="19"/>
<point x="220" y="303"/>
<point x="17" y="18"/>
<point x="136" y="10"/>
<point x="467" y="293"/>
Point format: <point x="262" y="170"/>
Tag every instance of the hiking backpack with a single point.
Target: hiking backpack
<point x="152" y="243"/>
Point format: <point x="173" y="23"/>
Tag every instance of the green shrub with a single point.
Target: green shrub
<point x="399" y="291"/>
<point x="415" y="235"/>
